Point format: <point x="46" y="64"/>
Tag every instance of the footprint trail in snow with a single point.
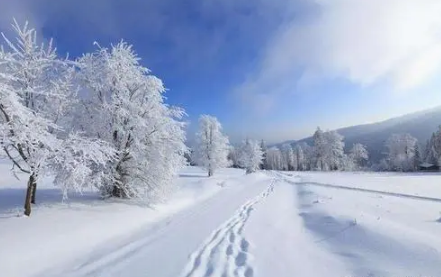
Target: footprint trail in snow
<point x="226" y="252"/>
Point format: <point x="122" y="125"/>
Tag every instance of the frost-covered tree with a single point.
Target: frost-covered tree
<point x="300" y="158"/>
<point x="212" y="145"/>
<point x="124" y="106"/>
<point x="264" y="149"/>
<point x="274" y="159"/>
<point x="320" y="150"/>
<point x="401" y="152"/>
<point x="234" y="156"/>
<point x="328" y="150"/>
<point x="308" y="153"/>
<point x="36" y="100"/>
<point x="432" y="153"/>
<point x="359" y="155"/>
<point x="417" y="159"/>
<point x="27" y="132"/>
<point x="250" y="156"/>
<point x="334" y="150"/>
<point x="429" y="153"/>
<point x="288" y="157"/>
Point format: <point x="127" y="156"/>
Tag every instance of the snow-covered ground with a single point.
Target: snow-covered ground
<point x="264" y="224"/>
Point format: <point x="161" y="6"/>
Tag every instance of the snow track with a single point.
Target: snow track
<point x="287" y="178"/>
<point x="226" y="252"/>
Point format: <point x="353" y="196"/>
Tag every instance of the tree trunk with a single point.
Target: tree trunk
<point x="120" y="188"/>
<point x="210" y="172"/>
<point x="28" y="200"/>
<point x="34" y="191"/>
<point x="117" y="191"/>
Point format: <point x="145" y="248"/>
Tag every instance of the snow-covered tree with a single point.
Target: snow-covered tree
<point x="234" y="156"/>
<point x="36" y="99"/>
<point x="401" y="152"/>
<point x="264" y="149"/>
<point x="417" y="159"/>
<point x="328" y="150"/>
<point x="432" y="153"/>
<point x="308" y="156"/>
<point x="274" y="159"/>
<point x="300" y="158"/>
<point x="212" y="145"/>
<point x="334" y="150"/>
<point x="320" y="150"/>
<point x="359" y="155"/>
<point x="250" y="156"/>
<point x="124" y="106"/>
<point x="288" y="157"/>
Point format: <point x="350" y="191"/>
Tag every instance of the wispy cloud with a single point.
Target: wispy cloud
<point x="191" y="34"/>
<point x="397" y="42"/>
<point x="21" y="11"/>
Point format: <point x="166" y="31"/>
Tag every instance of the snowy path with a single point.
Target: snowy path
<point x="225" y="253"/>
<point x="164" y="248"/>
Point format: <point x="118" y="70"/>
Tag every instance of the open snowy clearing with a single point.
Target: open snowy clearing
<point x="263" y="224"/>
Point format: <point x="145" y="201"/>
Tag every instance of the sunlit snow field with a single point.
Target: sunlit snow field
<point x="263" y="224"/>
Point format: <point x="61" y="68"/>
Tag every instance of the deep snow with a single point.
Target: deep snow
<point x="263" y="224"/>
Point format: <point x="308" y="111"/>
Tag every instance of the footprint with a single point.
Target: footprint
<point x="209" y="271"/>
<point x="229" y="251"/>
<point x="241" y="259"/>
<point x="244" y="245"/>
<point x="249" y="272"/>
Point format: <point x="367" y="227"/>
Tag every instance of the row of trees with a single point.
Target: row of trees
<point x="327" y="153"/>
<point x="96" y="121"/>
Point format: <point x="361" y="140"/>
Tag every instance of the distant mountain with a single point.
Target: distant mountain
<point x="421" y="125"/>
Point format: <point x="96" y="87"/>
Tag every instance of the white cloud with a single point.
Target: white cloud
<point x="364" y="41"/>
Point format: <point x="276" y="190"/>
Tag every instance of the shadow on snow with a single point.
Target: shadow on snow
<point x="367" y="252"/>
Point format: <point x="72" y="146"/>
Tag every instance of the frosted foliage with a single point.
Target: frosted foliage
<point x="300" y="158"/>
<point x="320" y="150"/>
<point x="26" y="87"/>
<point x="126" y="109"/>
<point x="233" y="157"/>
<point x="288" y="157"/>
<point x="250" y="156"/>
<point x="81" y="162"/>
<point x="212" y="145"/>
<point x="37" y="100"/>
<point x="359" y="155"/>
<point x="274" y="158"/>
<point x="328" y="150"/>
<point x="401" y="152"/>
<point x="432" y="152"/>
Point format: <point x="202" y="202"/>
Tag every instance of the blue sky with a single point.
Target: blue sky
<point x="271" y="69"/>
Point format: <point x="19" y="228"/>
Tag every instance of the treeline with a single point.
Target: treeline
<point x="327" y="153"/>
<point x="97" y="121"/>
